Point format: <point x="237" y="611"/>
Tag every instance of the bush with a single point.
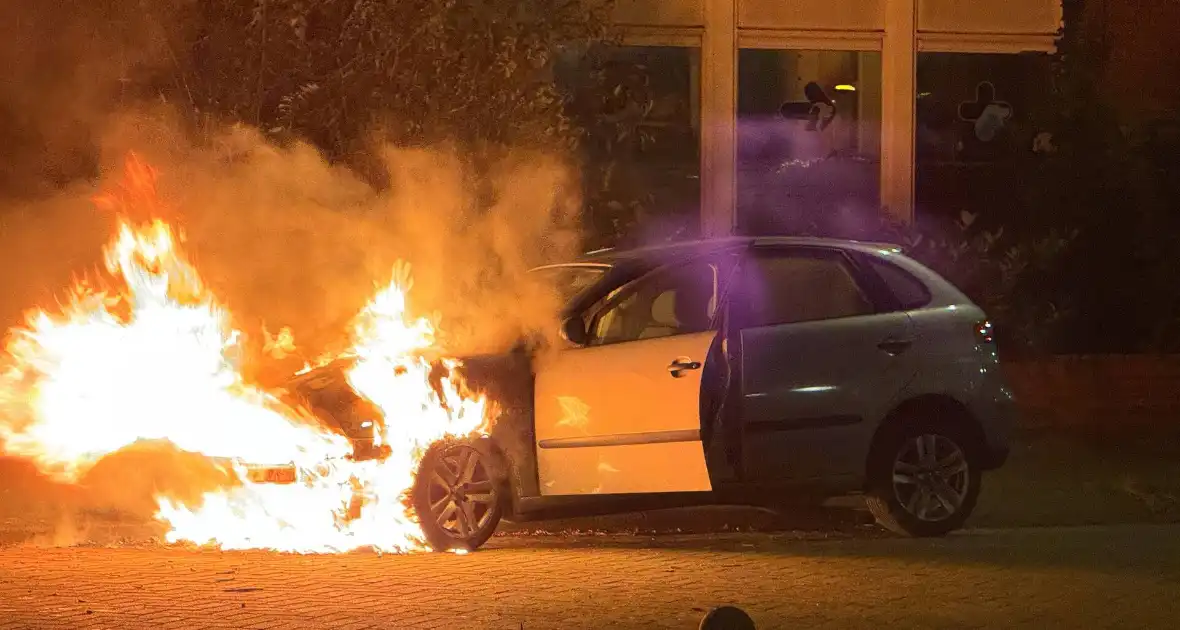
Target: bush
<point x="639" y="151"/>
<point x="475" y="74"/>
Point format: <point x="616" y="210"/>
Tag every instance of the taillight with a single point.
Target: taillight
<point x="984" y="333"/>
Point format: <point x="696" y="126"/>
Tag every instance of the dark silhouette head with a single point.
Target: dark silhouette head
<point x="815" y="93"/>
<point x="727" y="618"/>
<point x="985" y="92"/>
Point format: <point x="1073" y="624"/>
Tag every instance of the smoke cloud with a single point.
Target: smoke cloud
<point x="285" y="239"/>
<point x="281" y="236"/>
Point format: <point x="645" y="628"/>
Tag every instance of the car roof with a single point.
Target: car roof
<point x="626" y="261"/>
<point x="673" y="250"/>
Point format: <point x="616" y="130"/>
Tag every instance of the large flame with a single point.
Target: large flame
<point x="156" y="359"/>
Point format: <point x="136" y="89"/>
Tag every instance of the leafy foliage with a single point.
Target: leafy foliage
<point x="640" y="149"/>
<point x="421" y="71"/>
<point x="1114" y="182"/>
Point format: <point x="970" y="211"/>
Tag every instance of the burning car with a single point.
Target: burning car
<point x="738" y="370"/>
<point x="741" y="371"/>
<point x="146" y="354"/>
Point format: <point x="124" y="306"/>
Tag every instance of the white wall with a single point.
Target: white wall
<point x="660" y="12"/>
<point x="856" y="15"/>
<point x="1015" y="17"/>
<point x="1009" y="17"/>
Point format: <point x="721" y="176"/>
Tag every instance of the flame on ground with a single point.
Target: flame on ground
<point x="157" y="359"/>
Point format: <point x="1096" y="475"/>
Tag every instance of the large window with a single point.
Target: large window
<point x="788" y="288"/>
<point x="980" y="138"/>
<point x="640" y="109"/>
<point x="809" y="136"/>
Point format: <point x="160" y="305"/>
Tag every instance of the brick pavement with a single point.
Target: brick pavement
<point x="1126" y="577"/>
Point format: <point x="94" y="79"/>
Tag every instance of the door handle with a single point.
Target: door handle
<point x="680" y="365"/>
<point x="894" y="347"/>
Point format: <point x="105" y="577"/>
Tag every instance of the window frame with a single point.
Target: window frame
<point x="603" y="270"/>
<point x="890" y="299"/>
<point x="593" y="314"/>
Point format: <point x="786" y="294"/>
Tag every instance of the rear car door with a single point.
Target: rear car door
<point x="821" y="362"/>
<point x="622" y="414"/>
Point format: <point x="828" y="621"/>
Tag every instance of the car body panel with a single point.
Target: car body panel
<point x="814" y="393"/>
<point x="612" y="419"/>
<point x="958" y="368"/>
<point x="954" y="364"/>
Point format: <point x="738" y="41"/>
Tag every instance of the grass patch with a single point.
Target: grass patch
<point x="1052" y="479"/>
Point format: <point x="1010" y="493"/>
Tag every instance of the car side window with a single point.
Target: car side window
<point x="677" y="301"/>
<point x="792" y="287"/>
<point x="569" y="281"/>
<point x="909" y="292"/>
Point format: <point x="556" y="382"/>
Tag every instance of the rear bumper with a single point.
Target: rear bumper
<point x="363" y="450"/>
<point x="261" y="473"/>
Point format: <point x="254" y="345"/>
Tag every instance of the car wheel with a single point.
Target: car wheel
<point x="924" y="479"/>
<point x="455" y="497"/>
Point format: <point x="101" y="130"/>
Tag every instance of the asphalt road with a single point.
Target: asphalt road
<point x="1103" y="577"/>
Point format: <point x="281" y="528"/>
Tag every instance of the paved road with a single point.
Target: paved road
<point x="1125" y="577"/>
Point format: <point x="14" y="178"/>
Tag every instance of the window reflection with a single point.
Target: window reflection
<point x="808" y="135"/>
<point x="981" y="131"/>
<point x="640" y="108"/>
<point x="787" y="288"/>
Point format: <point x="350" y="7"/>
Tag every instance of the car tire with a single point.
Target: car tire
<point x="924" y="477"/>
<point x="456" y="496"/>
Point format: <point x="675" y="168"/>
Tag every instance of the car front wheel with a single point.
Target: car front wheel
<point x="456" y="497"/>
<point x="924" y="480"/>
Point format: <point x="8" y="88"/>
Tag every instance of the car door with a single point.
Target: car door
<point x="821" y="363"/>
<point x="622" y="414"/>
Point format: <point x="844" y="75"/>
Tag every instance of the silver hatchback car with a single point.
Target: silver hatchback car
<point x="738" y="371"/>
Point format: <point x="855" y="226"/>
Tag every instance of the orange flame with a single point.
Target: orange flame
<point x="158" y="360"/>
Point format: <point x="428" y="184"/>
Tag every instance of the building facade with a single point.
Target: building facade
<point x="805" y="102"/>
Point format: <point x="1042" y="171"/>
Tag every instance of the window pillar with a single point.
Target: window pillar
<point x="898" y="128"/>
<point x="719" y="119"/>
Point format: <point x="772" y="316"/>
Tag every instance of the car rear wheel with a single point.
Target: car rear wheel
<point x="924" y="479"/>
<point x="455" y="497"/>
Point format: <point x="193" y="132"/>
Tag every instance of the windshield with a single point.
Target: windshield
<point x="571" y="280"/>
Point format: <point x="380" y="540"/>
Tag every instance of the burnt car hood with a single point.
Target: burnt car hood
<point x="505" y="378"/>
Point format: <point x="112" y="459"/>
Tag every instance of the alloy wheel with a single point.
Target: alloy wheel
<point x="461" y="494"/>
<point x="931" y="477"/>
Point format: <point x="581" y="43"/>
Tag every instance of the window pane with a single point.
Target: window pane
<point x="909" y="291"/>
<point x="785" y="289"/>
<point x="570" y="281"/>
<point x="640" y="107"/>
<point x="809" y="136"/>
<point x="979" y="139"/>
<point x="677" y="302"/>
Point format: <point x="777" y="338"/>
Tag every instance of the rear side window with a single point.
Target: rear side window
<point x="788" y="287"/>
<point x="909" y="291"/>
